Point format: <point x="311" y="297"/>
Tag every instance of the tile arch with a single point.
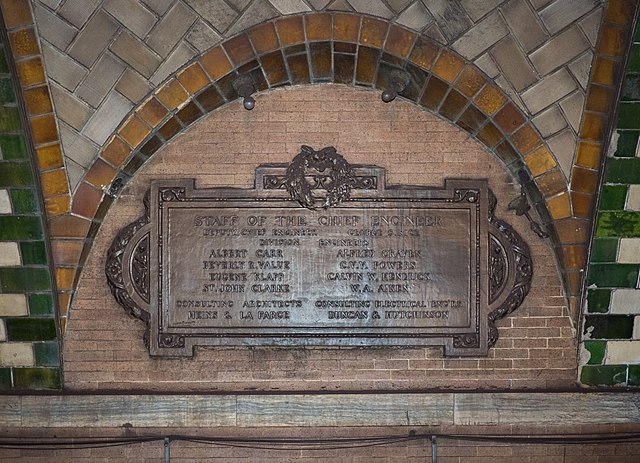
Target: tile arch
<point x="315" y="48"/>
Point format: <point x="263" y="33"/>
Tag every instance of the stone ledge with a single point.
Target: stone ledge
<point x="307" y="410"/>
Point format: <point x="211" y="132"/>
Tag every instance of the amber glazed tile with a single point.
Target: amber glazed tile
<point x="318" y="26"/>
<point x="66" y="252"/>
<point x="239" y="49"/>
<point x="434" y="93"/>
<point x="346" y="27"/>
<point x="490" y="99"/>
<point x="604" y="71"/>
<point x="593" y="126"/>
<point x="448" y="66"/>
<point x="572" y="231"/>
<point x="599" y="99"/>
<point x="193" y="78"/>
<point x="540" y="161"/>
<point x="274" y="68"/>
<point x="373" y="32"/>
<point x="589" y="155"/>
<point x="16" y="13"/>
<point x="43" y="129"/>
<point x="367" y="64"/>
<point x="453" y="105"/>
<point x="153" y="112"/>
<point x="509" y="118"/>
<point x="472" y="119"/>
<point x="584" y="180"/>
<point x="216" y="63"/>
<point x="526" y="139"/>
<point x="37" y="100"/>
<point x="54" y="182"/>
<point x="619" y="11"/>
<point x="489" y="135"/>
<point x="507" y="153"/>
<point x="49" y="157"/>
<point x="170" y="128"/>
<point x="86" y="200"/>
<point x="100" y="174"/>
<point x="57" y="205"/>
<point x="290" y="30"/>
<point x="299" y="69"/>
<point x="574" y="256"/>
<point x="116" y="152"/>
<point x="264" y="38"/>
<point x="582" y="204"/>
<point x="399" y="41"/>
<point x="64" y="277"/>
<point x="343" y="68"/>
<point x="470" y="81"/>
<point x="612" y="40"/>
<point x="559" y="206"/>
<point x="189" y="114"/>
<point x="30" y="72"/>
<point x="172" y="95"/>
<point x="134" y="131"/>
<point x="551" y="183"/>
<point x="210" y="99"/>
<point x="24" y="43"/>
<point x="68" y="226"/>
<point x="320" y="57"/>
<point x="424" y="52"/>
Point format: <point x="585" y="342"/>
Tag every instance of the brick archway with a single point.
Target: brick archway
<point x="324" y="48"/>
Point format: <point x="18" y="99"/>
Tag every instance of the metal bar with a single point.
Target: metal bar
<point x="167" y="450"/>
<point x="434" y="449"/>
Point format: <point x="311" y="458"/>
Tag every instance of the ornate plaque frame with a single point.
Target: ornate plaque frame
<point x="154" y="261"/>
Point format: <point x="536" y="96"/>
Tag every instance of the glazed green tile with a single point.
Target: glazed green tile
<point x="20" y="227"/>
<point x="20" y="280"/>
<point x="5" y="378"/>
<point x="628" y="115"/>
<point x="33" y="253"/>
<point x="634" y="375"/>
<point x="634" y="59"/>
<point x="597" y="350"/>
<point x="24" y="200"/>
<point x="613" y="275"/>
<point x="627" y="143"/>
<point x="15" y="174"/>
<point x="604" y="250"/>
<point x="30" y="329"/>
<point x="630" y="88"/>
<point x="608" y="326"/>
<point x="40" y="305"/>
<point x="13" y="147"/>
<point x="613" y="197"/>
<point x="4" y="68"/>
<point x="47" y="354"/>
<point x="621" y="224"/>
<point x="598" y="300"/>
<point x="605" y="375"/>
<point x="36" y="378"/>
<point x="622" y="170"/>
<point x="9" y="119"/>
<point x="7" y="94"/>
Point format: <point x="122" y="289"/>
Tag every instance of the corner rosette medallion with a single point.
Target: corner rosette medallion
<point x="319" y="179"/>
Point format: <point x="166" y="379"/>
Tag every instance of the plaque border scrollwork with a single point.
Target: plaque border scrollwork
<point x="119" y="278"/>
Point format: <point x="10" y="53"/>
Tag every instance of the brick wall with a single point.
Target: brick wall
<point x="103" y="347"/>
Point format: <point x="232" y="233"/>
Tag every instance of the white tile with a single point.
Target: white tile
<point x="633" y="198"/>
<point x="13" y="305"/>
<point x="9" y="254"/>
<point x="622" y="352"/>
<point x="3" y="331"/>
<point x="625" y="301"/>
<point x="636" y="328"/>
<point x="17" y="354"/>
<point x="5" y="203"/>
<point x="629" y="251"/>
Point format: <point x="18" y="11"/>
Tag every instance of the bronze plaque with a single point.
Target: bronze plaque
<point x="319" y="253"/>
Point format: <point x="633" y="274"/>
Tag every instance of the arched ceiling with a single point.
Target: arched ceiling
<point x="102" y="57"/>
